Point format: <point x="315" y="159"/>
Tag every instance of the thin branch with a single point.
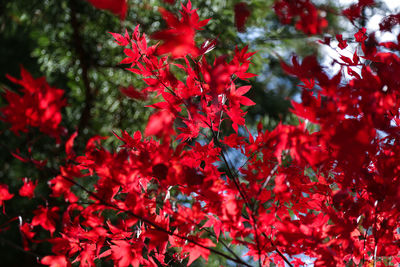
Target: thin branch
<point x="375" y="227"/>
<point x="242" y="194"/>
<point x="247" y="203"/>
<point x="84" y="61"/>
<point x="156" y="226"/>
<point x="231" y="175"/>
<point x="278" y="251"/>
<point x="268" y="178"/>
<point x="223" y="244"/>
<point x="94" y="196"/>
<point x="17" y="247"/>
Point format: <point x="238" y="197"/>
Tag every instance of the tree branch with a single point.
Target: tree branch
<point x="247" y="203"/>
<point x="84" y="62"/>
<point x="17" y="247"/>
<point x="156" y="226"/>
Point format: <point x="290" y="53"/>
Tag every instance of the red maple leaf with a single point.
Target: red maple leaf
<point x="27" y="190"/>
<point x="133" y="93"/>
<point x="62" y="187"/>
<point x="215" y="223"/>
<point x="117" y="7"/>
<point x="354" y="11"/>
<point x="4" y="194"/>
<point x="195" y="251"/>
<point x="342" y="43"/>
<point x="69" y="146"/>
<point x="307" y="17"/>
<point x="46" y="217"/>
<point x="55" y="261"/>
<point x="242" y="13"/>
<point x="26" y="233"/>
<point x="125" y="254"/>
<point x="178" y="38"/>
<point x="160" y="124"/>
<point x="236" y="97"/>
<point x="39" y="106"/>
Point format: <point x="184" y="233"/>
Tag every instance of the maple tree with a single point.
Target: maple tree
<point x="326" y="188"/>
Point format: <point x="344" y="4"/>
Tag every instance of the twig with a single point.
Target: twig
<point x="230" y="174"/>
<point x="17" y="247"/>
<point x="224" y="244"/>
<point x="375" y="236"/>
<point x="278" y="251"/>
<point x="268" y="178"/>
<point x="247" y="203"/>
<point x="242" y="194"/>
<point x="156" y="226"/>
